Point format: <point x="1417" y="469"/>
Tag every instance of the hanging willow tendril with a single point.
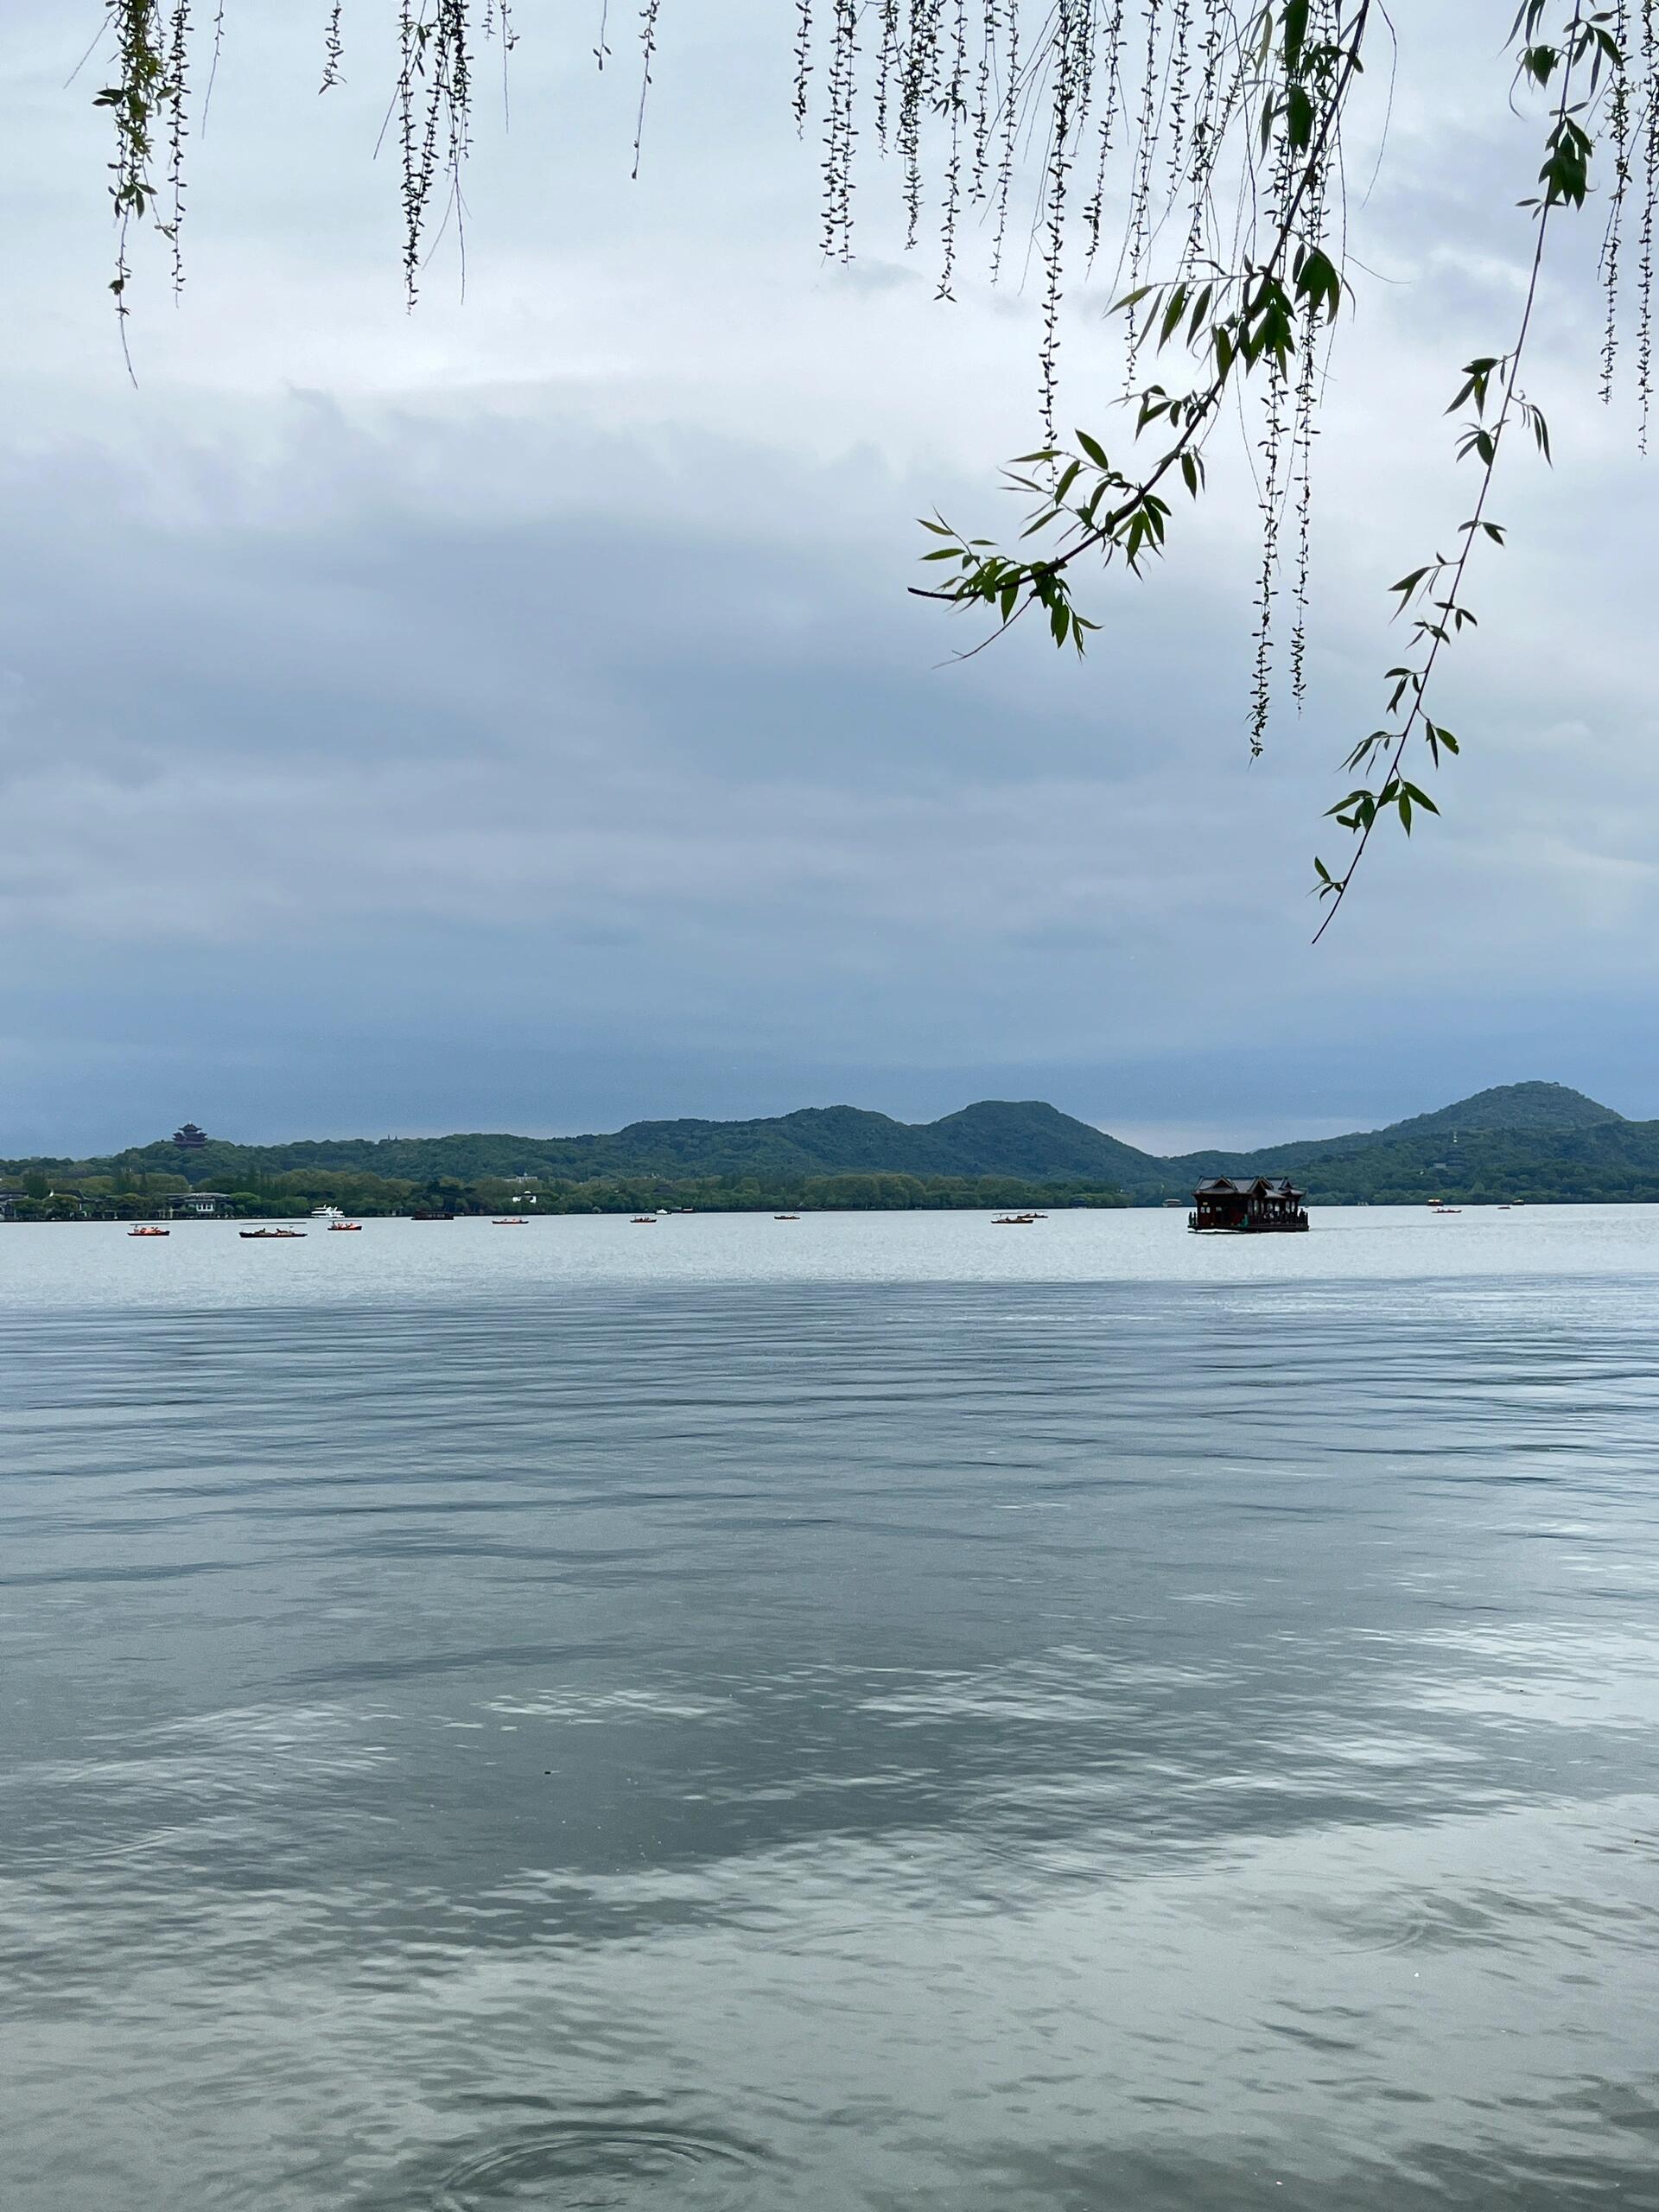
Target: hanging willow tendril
<point x="333" y="49"/>
<point x="1204" y="140"/>
<point x="1491" y="386"/>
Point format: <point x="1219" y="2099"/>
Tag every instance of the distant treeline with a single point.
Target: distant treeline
<point x="296" y="1193"/>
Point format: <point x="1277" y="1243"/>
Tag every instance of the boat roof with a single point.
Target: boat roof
<point x="1224" y="1187"/>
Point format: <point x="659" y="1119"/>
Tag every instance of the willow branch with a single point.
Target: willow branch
<point x="1551" y="199"/>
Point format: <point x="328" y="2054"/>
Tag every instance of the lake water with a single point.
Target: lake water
<point x="876" y="1711"/>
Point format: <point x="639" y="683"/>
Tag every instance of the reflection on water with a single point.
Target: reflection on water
<point x="822" y="1744"/>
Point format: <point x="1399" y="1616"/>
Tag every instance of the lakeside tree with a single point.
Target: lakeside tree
<point x="1191" y="149"/>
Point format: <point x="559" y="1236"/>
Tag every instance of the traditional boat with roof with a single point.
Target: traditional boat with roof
<point x="1267" y="1204"/>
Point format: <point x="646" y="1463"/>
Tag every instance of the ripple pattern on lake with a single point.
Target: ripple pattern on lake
<point x="834" y="1743"/>
<point x="598" y="2163"/>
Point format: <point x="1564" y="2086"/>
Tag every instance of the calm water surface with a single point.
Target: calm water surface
<point x="874" y="1711"/>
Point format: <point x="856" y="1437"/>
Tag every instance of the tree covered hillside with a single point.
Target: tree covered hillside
<point x="1027" y="1140"/>
<point x="1537" y="1141"/>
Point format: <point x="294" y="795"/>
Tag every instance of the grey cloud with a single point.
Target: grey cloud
<point x="518" y="714"/>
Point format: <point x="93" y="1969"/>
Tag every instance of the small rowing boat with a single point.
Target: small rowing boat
<point x="353" y="1226"/>
<point x="149" y="1232"/>
<point x="513" y="1221"/>
<point x="269" y="1232"/>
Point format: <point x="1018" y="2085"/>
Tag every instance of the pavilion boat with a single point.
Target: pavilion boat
<point x="1267" y="1205"/>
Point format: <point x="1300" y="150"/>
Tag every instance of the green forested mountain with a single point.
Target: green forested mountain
<point x="1030" y="1141"/>
<point x="1519" y="1108"/>
<point x="1614" y="1160"/>
<point x="1521" y="1139"/>
<point x="1537" y="1141"/>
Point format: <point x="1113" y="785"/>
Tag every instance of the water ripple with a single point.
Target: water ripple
<point x="600" y="2162"/>
<point x="804" y="1742"/>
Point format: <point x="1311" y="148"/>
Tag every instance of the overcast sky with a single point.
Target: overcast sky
<point x="512" y="716"/>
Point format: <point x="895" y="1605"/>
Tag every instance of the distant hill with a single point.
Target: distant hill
<point x="1027" y="1140"/>
<point x="1524" y="1139"/>
<point x="994" y="1138"/>
<point x="1523" y="1109"/>
<point x="999" y="1138"/>
<point x="1516" y="1108"/>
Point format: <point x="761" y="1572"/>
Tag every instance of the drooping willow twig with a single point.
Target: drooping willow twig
<point x="1204" y="135"/>
<point x="1564" y="181"/>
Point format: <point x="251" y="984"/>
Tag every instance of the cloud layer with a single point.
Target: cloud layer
<point x="516" y="715"/>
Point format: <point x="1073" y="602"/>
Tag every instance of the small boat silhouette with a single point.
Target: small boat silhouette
<point x="149" y="1232"/>
<point x="269" y="1232"/>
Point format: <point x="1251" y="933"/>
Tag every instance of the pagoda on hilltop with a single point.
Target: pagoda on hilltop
<point x="189" y="1138"/>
